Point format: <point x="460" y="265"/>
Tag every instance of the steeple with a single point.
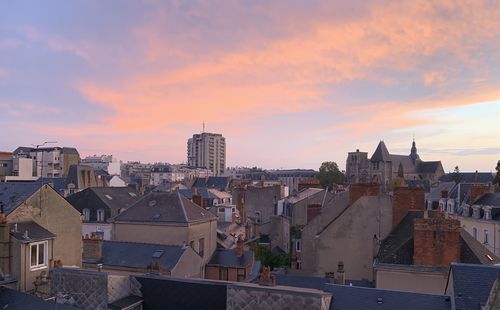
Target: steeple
<point x="413" y="155"/>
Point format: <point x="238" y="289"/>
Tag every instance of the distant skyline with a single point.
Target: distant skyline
<point x="289" y="84"/>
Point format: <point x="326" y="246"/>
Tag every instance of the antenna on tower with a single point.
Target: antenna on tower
<point x="203" y="127"/>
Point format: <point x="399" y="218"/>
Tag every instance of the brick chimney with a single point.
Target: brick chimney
<point x="240" y="247"/>
<point x="197" y="199"/>
<point x="92" y="247"/>
<point x="436" y="241"/>
<point x="406" y="199"/>
<point x="477" y="190"/>
<point x="313" y="210"/>
<point x="359" y="190"/>
<point x="4" y="242"/>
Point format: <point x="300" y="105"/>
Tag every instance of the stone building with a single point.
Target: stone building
<point x="383" y="167"/>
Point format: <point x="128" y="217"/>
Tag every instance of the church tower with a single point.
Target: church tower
<point x="413" y="155"/>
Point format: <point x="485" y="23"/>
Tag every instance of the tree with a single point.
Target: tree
<point x="456" y="176"/>
<point x="496" y="180"/>
<point x="329" y="175"/>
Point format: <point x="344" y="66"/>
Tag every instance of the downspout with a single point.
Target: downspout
<point x="24" y="269"/>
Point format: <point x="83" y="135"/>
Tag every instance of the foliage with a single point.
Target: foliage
<point x="268" y="258"/>
<point x="456" y="176"/>
<point x="295" y="232"/>
<point x="329" y="175"/>
<point x="496" y="181"/>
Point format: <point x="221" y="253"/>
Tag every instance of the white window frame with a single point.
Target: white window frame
<point x="485" y="236"/>
<point x="86" y="214"/>
<point x="474" y="232"/>
<point x="42" y="265"/>
<point x="98" y="217"/>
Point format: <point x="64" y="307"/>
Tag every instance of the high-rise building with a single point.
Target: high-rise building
<point x="207" y="150"/>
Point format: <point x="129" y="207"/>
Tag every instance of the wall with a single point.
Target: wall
<point x="299" y="211"/>
<point x="189" y="266"/>
<point x="89" y="228"/>
<point x="263" y="200"/>
<point x="280" y="233"/>
<point x="468" y="223"/>
<point x="411" y="281"/>
<point x="350" y="238"/>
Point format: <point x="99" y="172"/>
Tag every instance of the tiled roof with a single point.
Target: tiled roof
<point x="472" y="251"/>
<point x="313" y="282"/>
<point x="30" y="232"/>
<point x="228" y="258"/>
<point x="381" y="153"/>
<point x="212" y="182"/>
<point x="303" y="194"/>
<point x="428" y="166"/>
<point x="351" y="297"/>
<point x="12" y="299"/>
<point x="59" y="184"/>
<point x="469" y="177"/>
<point x="140" y="255"/>
<point x="472" y="284"/>
<point x="489" y="199"/>
<point x="203" y="192"/>
<point x="165" y="207"/>
<point x="12" y="194"/>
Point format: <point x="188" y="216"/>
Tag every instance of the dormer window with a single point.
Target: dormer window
<point x="86" y="214"/>
<point x="100" y="215"/>
<point x="476" y="212"/>
<point x="487" y="213"/>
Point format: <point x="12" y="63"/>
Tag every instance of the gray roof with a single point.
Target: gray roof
<point x="114" y="198"/>
<point x="428" y="166"/>
<point x="381" y="153"/>
<point x="489" y="199"/>
<point x="361" y="298"/>
<point x="470" y="177"/>
<point x="12" y="194"/>
<point x="139" y="255"/>
<point x="165" y="207"/>
<point x="12" y="299"/>
<point x="30" y="232"/>
<point x="472" y="284"/>
<point x="228" y="258"/>
<point x="313" y="282"/>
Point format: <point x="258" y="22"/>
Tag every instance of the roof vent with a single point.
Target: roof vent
<point x="379" y="300"/>
<point x="152" y="203"/>
<point x="109" y="197"/>
<point x="156" y="216"/>
<point x="158" y="253"/>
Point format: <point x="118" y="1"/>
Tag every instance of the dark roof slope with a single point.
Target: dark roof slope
<point x="30" y="232"/>
<point x="12" y="299"/>
<point x="228" y="258"/>
<point x="472" y="284"/>
<point x="165" y="207"/>
<point x="489" y="199"/>
<point x="469" y="177"/>
<point x="112" y="198"/>
<point x="12" y="194"/>
<point x="212" y="182"/>
<point x="428" y="166"/>
<point x="381" y="153"/>
<point x="203" y="192"/>
<point x="473" y="252"/>
<point x="139" y="255"/>
<point x="360" y="298"/>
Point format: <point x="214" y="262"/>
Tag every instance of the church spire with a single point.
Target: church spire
<point x="413" y="155"/>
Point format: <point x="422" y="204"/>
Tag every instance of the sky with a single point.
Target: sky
<point x="290" y="84"/>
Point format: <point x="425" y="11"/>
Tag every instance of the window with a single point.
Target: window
<point x="201" y="247"/>
<point x="299" y="265"/>
<point x="86" y="214"/>
<point x="474" y="232"/>
<point x="100" y="215"/>
<point x="223" y="273"/>
<point x="191" y="244"/>
<point x="38" y="255"/>
<point x="485" y="236"/>
<point x="298" y="245"/>
<point x="375" y="165"/>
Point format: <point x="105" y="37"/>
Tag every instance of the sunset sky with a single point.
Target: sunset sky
<point x="288" y="83"/>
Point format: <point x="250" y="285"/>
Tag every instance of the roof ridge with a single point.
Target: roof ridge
<point x="132" y="242"/>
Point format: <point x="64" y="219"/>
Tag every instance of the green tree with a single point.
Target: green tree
<point x="268" y="258"/>
<point x="496" y="180"/>
<point x="456" y="176"/>
<point x="329" y="175"/>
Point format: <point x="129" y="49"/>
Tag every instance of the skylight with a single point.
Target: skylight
<point x="158" y="254"/>
<point x="109" y="197"/>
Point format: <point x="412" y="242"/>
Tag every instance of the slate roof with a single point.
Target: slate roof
<point x="106" y="198"/>
<point x="212" y="182"/>
<point x="228" y="258"/>
<point x="312" y="281"/>
<point x="303" y="194"/>
<point x="59" y="184"/>
<point x="489" y="199"/>
<point x="381" y="153"/>
<point x="203" y="192"/>
<point x="34" y="232"/>
<point x="472" y="284"/>
<point x="397" y="248"/>
<point x="12" y="194"/>
<point x="12" y="299"/>
<point x="125" y="302"/>
<point x="139" y="255"/>
<point x="428" y="166"/>
<point x="360" y="298"/>
<point x="469" y="177"/>
<point x="165" y="207"/>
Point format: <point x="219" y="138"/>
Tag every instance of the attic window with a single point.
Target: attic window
<point x="109" y="197"/>
<point x="152" y="203"/>
<point x="158" y="254"/>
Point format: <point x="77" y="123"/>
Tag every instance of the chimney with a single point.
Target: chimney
<point x="92" y="247"/>
<point x="359" y="190"/>
<point x="4" y="243"/>
<point x="406" y="199"/>
<point x="330" y="277"/>
<point x="239" y="196"/>
<point x="477" y="190"/>
<point x="340" y="278"/>
<point x="313" y="210"/>
<point x="197" y="199"/>
<point x="444" y="193"/>
<point x="240" y="247"/>
<point x="436" y="241"/>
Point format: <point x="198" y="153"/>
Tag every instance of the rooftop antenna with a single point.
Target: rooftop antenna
<point x="203" y="127"/>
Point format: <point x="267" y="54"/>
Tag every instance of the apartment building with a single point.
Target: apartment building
<point x="207" y="150"/>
